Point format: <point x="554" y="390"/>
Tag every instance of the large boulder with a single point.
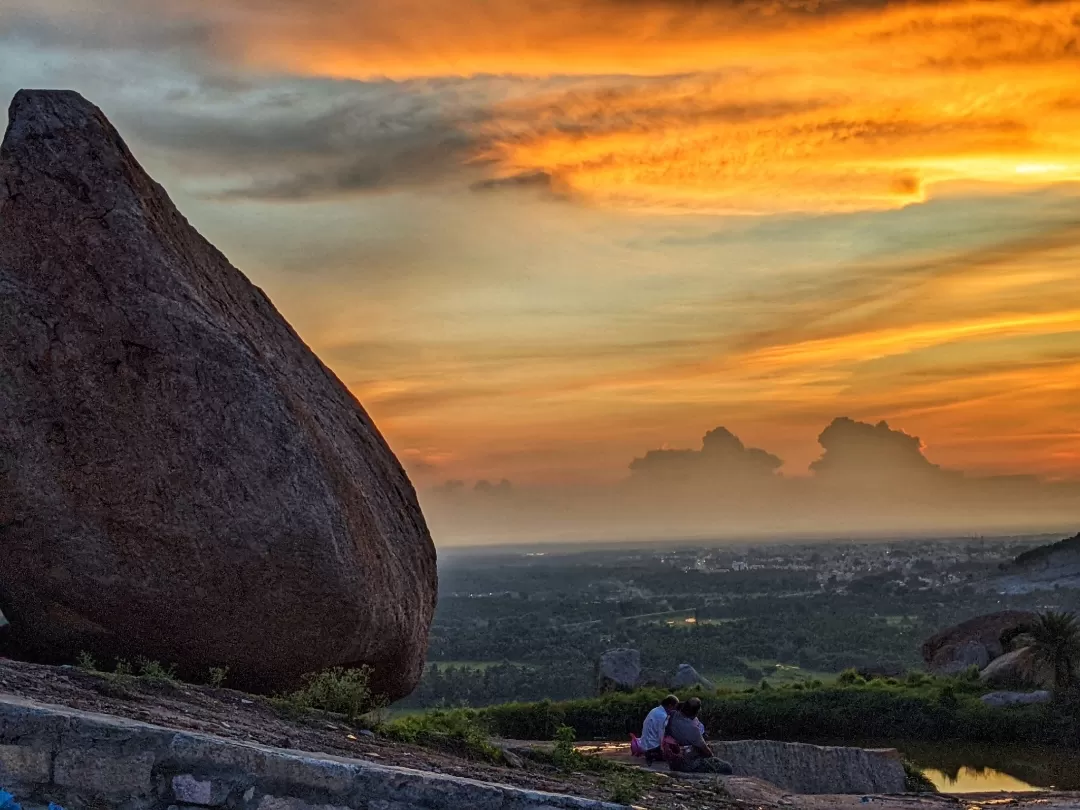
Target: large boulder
<point x="975" y="642"/>
<point x="180" y="476"/>
<point x="1018" y="669"/>
<point x="802" y="768"/>
<point x="618" y="670"/>
<point x="686" y="677"/>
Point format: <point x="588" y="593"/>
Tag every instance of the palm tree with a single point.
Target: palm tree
<point x="1055" y="644"/>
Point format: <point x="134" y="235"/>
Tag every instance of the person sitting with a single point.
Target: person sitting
<point x="689" y="753"/>
<point x="650" y="744"/>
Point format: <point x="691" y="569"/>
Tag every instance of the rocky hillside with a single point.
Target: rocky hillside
<point x="1044" y="568"/>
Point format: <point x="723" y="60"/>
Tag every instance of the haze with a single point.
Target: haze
<point x="539" y="240"/>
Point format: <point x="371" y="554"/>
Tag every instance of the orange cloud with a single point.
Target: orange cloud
<point x="773" y="106"/>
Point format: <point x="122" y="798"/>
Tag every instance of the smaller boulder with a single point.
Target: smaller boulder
<point x="619" y="670"/>
<point x="975" y="642"/>
<point x="1003" y="699"/>
<point x="686" y="677"/>
<point x="1017" y="670"/>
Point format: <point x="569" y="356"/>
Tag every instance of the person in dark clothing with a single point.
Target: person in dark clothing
<point x="694" y="755"/>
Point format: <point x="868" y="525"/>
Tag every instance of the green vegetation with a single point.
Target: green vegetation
<point x="1055" y="639"/>
<point x="144" y="668"/>
<point x="338" y="690"/>
<point x="626" y="785"/>
<point x="218" y="676"/>
<point x="937" y="709"/>
<point x="522" y="627"/>
<point x="459" y="731"/>
<point x="565" y="754"/>
<point x="86" y="662"/>
<point x="915" y="781"/>
<point x="153" y="670"/>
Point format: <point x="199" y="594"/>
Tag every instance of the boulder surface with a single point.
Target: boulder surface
<point x="686" y="677"/>
<point x="1018" y="669"/>
<point x="181" y="478"/>
<point x="619" y="669"/>
<point x="803" y="768"/>
<point x="975" y="642"/>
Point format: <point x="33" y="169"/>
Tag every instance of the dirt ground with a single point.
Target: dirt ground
<point x="235" y="715"/>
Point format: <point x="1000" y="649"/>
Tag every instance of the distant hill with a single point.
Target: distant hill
<point x="1068" y="547"/>
<point x="1056" y="565"/>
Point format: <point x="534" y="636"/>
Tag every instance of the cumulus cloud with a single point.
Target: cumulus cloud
<point x="722" y="457"/>
<point x="871" y="479"/>
<point x="860" y="452"/>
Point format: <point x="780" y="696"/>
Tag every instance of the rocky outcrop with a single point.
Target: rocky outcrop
<point x="975" y="642"/>
<point x="1005" y="699"/>
<point x="686" y="677"/>
<point x="802" y="768"/>
<point x="1017" y="670"/>
<point x="618" y="669"/>
<point x="180" y="476"/>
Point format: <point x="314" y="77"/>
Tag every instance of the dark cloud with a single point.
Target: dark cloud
<point x="335" y="141"/>
<point x="722" y="456"/>
<point x="860" y="451"/>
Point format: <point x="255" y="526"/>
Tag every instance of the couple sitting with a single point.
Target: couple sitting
<point x="673" y="733"/>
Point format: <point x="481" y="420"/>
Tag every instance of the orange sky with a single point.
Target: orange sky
<point x="538" y="239"/>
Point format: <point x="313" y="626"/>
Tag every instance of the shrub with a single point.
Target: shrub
<point x="849" y="677"/>
<point x="915" y="781"/>
<point x="153" y="670"/>
<point x="339" y="690"/>
<point x="939" y="710"/>
<point x="86" y="662"/>
<point x="565" y="756"/>
<point x="218" y="676"/>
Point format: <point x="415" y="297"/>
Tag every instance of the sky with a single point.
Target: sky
<point x="539" y="239"/>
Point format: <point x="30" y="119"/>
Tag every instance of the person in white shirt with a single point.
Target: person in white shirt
<point x="652" y="733"/>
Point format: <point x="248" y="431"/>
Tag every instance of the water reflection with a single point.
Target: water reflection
<point x="977" y="780"/>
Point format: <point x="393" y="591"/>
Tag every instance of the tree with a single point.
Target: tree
<point x="1055" y="644"/>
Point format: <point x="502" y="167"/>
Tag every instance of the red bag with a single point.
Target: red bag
<point x="671" y="750"/>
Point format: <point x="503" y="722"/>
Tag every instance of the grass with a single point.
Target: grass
<point x="143" y="668"/>
<point x="458" y="731"/>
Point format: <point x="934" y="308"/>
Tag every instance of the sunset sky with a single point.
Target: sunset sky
<point x="538" y="238"/>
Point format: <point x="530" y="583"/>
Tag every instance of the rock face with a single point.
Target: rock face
<point x="180" y="476"/>
<point x="975" y="642"/>
<point x="687" y="677"/>
<point x="618" y="669"/>
<point x="803" y="768"/>
<point x="1017" y="670"/>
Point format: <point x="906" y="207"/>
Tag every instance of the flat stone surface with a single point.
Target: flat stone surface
<point x="262" y="778"/>
<point x="20" y="764"/>
<point x="99" y="772"/>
